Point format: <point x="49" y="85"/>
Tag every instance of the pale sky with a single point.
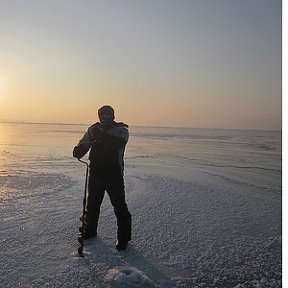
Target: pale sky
<point x="188" y="63"/>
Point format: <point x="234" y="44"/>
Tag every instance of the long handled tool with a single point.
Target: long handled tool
<point x="83" y="218"/>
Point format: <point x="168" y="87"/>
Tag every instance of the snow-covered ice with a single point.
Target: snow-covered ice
<point x="205" y="204"/>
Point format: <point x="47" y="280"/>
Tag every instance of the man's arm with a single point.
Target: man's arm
<point x="84" y="145"/>
<point x="118" y="138"/>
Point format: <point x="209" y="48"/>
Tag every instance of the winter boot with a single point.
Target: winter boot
<point x="121" y="245"/>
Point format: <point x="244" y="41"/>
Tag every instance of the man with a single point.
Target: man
<point x="106" y="140"/>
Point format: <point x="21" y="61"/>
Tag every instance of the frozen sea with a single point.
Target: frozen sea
<point x="205" y="204"/>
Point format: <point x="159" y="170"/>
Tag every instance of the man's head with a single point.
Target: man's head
<point x="106" y="114"/>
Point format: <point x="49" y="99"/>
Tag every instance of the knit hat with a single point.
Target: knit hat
<point x="106" y="110"/>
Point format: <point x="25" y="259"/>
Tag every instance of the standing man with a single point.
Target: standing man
<point x="106" y="140"/>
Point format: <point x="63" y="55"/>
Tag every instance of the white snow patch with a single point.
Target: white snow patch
<point x="128" y="277"/>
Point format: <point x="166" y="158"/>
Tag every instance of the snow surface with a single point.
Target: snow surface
<point x="205" y="204"/>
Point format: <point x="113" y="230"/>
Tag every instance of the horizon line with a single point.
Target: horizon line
<point x="144" y="126"/>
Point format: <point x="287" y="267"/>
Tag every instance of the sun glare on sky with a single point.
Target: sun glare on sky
<point x="1" y="86"/>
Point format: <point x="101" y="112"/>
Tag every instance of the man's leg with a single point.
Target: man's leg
<point x="95" y="197"/>
<point x="116" y="192"/>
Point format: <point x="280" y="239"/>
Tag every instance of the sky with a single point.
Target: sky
<point x="179" y="63"/>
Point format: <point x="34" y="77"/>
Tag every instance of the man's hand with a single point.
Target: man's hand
<point x="79" y="151"/>
<point x="98" y="133"/>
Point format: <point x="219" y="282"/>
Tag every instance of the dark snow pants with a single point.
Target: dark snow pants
<point x="114" y="186"/>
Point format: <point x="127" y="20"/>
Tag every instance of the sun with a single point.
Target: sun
<point x="1" y="85"/>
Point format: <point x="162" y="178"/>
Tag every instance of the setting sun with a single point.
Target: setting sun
<point x="1" y="86"/>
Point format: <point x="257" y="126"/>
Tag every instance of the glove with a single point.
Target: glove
<point x="79" y="151"/>
<point x="98" y="134"/>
